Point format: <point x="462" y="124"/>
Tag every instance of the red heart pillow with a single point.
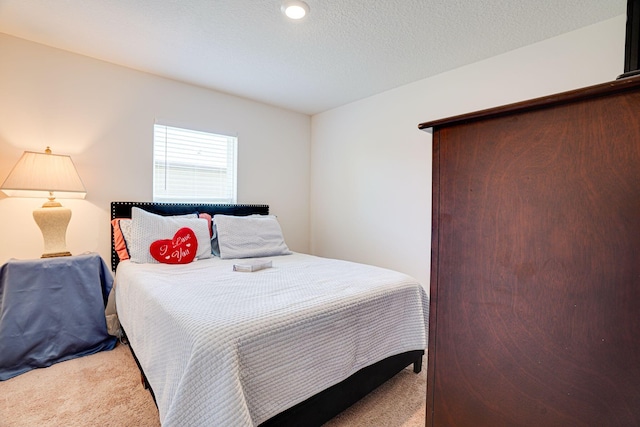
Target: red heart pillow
<point x="179" y="250"/>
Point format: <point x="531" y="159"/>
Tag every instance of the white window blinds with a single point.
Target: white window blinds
<point x="193" y="166"/>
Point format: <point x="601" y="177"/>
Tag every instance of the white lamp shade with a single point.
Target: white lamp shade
<point x="43" y="175"/>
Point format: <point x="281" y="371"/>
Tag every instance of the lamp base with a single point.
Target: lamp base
<point x="53" y="222"/>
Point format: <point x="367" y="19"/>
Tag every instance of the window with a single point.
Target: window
<point x="193" y="166"/>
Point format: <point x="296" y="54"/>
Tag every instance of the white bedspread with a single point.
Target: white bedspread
<point x="225" y="348"/>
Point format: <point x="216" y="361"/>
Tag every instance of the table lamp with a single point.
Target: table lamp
<point x="47" y="175"/>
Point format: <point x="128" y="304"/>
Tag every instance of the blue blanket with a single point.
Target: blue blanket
<point x="52" y="310"/>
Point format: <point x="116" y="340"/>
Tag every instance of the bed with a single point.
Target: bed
<point x="293" y="344"/>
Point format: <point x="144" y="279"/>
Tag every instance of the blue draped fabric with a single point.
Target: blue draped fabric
<point x="52" y="310"/>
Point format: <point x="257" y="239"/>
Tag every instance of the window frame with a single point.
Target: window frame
<point x="188" y="162"/>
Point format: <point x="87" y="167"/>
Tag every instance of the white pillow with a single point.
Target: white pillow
<point x="146" y="228"/>
<point x="249" y="236"/>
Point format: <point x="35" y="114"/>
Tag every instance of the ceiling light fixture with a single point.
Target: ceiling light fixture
<point x="295" y="9"/>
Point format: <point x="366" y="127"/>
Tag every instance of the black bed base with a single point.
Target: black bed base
<point x="322" y="407"/>
<point x="143" y="378"/>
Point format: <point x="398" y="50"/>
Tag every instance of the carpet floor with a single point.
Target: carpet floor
<point x="104" y="390"/>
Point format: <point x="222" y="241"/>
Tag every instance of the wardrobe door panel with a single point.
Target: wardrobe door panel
<point x="537" y="281"/>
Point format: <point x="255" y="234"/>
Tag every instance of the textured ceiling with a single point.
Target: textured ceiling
<point x="344" y="50"/>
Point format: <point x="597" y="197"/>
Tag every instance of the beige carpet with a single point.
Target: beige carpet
<point x="104" y="390"/>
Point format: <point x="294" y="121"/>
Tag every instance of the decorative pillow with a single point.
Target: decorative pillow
<point x="179" y="250"/>
<point x="215" y="248"/>
<point x="147" y="227"/>
<point x="249" y="236"/>
<point x="121" y="233"/>
<point x="209" y="221"/>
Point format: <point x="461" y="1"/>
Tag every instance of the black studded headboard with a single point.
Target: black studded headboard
<point x="123" y="210"/>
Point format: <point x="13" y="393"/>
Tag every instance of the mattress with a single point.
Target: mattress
<point x="228" y="348"/>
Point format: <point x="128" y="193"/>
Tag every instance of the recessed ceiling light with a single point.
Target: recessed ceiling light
<point x="295" y="9"/>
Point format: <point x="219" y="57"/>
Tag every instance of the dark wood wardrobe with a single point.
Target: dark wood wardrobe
<point x="535" y="284"/>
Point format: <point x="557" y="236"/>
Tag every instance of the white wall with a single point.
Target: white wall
<point x="102" y="115"/>
<point x="371" y="166"/>
<point x="370" y="176"/>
